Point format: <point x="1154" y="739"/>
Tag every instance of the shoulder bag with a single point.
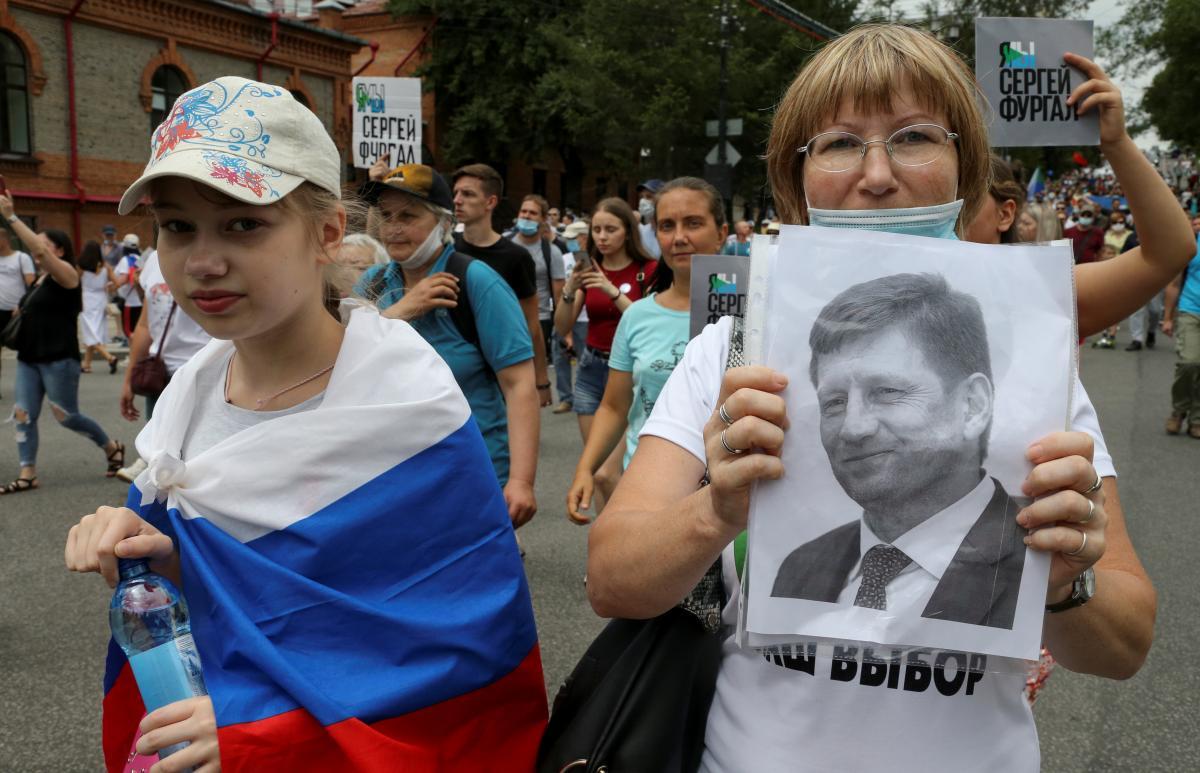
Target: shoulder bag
<point x="638" y="700"/>
<point x="149" y="375"/>
<point x="11" y="335"/>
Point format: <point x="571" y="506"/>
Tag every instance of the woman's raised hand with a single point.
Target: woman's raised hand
<point x="1098" y="93"/>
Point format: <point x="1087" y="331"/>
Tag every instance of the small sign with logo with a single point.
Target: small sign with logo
<point x="718" y="289"/>
<point x="1019" y="64"/>
<point x="387" y="121"/>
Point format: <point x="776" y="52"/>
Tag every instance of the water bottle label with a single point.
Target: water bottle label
<point x="169" y="672"/>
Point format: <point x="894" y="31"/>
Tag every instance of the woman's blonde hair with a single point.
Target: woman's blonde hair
<point x="868" y="65"/>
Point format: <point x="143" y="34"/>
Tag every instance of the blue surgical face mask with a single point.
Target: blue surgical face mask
<point x="572" y="245"/>
<point x="527" y="227"/>
<point x="936" y="222"/>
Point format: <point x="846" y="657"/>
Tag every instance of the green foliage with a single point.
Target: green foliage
<point x="954" y="20"/>
<point x="1166" y="32"/>
<point x="604" y="81"/>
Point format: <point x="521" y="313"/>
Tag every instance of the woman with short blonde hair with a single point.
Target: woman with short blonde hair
<point x="907" y="93"/>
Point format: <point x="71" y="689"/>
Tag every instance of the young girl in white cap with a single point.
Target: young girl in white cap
<point x="317" y="488"/>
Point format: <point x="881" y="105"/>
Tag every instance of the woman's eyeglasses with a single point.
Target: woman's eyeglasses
<point x="915" y="145"/>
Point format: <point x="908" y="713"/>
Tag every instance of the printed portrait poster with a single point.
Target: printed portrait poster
<point x="386" y="121"/>
<point x="719" y="284"/>
<point x="919" y="370"/>
<point x="1019" y="64"/>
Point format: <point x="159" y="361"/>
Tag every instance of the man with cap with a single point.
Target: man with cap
<point x="467" y="313"/>
<point x="110" y="248"/>
<point x="128" y="290"/>
<point x="646" y="192"/>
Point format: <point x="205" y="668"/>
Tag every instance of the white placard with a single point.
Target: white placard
<point x="387" y="120"/>
<point x="881" y="408"/>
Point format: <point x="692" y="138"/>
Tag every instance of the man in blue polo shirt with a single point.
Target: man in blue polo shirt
<point x="1181" y="318"/>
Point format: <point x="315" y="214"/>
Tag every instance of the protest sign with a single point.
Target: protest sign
<point x="1019" y="64"/>
<point x="718" y="288"/>
<point x="387" y="121"/>
<point x="916" y="383"/>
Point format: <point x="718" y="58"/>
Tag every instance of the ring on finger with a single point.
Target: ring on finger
<point x="729" y="448"/>
<point x="1095" y="486"/>
<point x="724" y="414"/>
<point x="1091" y="512"/>
<point x="1079" y="549"/>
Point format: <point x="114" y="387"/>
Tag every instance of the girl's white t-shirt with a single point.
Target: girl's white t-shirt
<point x="859" y="712"/>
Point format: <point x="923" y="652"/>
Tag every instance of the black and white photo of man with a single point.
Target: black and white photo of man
<point x="903" y="377"/>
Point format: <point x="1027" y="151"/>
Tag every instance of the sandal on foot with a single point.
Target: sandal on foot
<point x="84" y="370"/>
<point x="116" y="460"/>
<point x="19" y="486"/>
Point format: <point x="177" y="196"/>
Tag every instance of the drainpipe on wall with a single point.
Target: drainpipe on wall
<point x="274" y="17"/>
<point x="416" y="48"/>
<point x="81" y="197"/>
<point x="369" y="62"/>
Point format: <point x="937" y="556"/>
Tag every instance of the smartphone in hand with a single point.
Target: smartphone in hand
<point x="583" y="262"/>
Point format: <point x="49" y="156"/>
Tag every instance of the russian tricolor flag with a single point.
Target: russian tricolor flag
<point x="356" y="593"/>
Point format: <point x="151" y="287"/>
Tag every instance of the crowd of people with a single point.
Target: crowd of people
<point x="273" y="309"/>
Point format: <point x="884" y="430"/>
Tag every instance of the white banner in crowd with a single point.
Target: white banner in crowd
<point x="917" y="382"/>
<point x="387" y="121"/>
<point x="718" y="288"/>
<point x="1019" y="64"/>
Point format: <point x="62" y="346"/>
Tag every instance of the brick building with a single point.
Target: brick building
<point x="401" y="45"/>
<point x="84" y="82"/>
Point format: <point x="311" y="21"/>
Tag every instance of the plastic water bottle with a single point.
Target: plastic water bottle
<point x="149" y="621"/>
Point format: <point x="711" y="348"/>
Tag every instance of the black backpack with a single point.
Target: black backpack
<point x="461" y="315"/>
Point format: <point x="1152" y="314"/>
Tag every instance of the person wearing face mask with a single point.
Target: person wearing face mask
<point x="646" y="192"/>
<point x="925" y="172"/>
<point x="547" y="262"/>
<point x="1119" y="236"/>
<point x="566" y="347"/>
<point x="431" y="286"/>
<point x="1086" y="237"/>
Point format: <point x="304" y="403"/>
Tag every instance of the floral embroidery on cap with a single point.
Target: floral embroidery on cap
<point x="234" y="170"/>
<point x="210" y="116"/>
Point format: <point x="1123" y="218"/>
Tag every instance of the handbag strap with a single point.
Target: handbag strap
<point x="32" y="291"/>
<point x="706" y="601"/>
<point x="163" y="338"/>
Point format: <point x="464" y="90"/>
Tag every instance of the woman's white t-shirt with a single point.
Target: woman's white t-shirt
<point x="827" y="714"/>
<point x="185" y="337"/>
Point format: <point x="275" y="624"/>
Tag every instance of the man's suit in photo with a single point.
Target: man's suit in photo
<point x="979" y="586"/>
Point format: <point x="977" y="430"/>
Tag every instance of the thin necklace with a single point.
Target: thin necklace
<point x="258" y="404"/>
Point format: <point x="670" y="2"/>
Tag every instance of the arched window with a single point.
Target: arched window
<point x="14" y="97"/>
<point x="167" y="85"/>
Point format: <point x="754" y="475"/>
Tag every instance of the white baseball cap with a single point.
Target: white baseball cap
<point x="131" y="240"/>
<point x="249" y="140"/>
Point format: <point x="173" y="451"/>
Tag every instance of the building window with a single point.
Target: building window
<point x="167" y="85"/>
<point x="539" y="182"/>
<point x="14" y="96"/>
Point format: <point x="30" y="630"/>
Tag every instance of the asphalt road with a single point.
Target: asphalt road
<point x="53" y="625"/>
